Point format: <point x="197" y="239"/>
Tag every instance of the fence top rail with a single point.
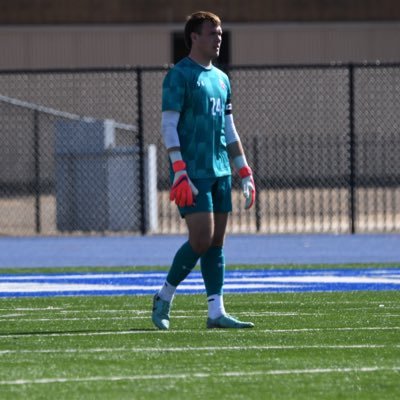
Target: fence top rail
<point x="43" y="109"/>
<point x="165" y="67"/>
<point x="332" y="65"/>
<point x="59" y="113"/>
<point x="74" y="70"/>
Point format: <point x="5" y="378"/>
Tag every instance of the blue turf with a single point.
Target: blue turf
<point x="148" y="282"/>
<point x="159" y="250"/>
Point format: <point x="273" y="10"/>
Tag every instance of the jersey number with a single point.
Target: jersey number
<point x="216" y="107"/>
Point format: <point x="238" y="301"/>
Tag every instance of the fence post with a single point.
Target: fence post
<point x="140" y="139"/>
<point x="36" y="155"/>
<point x="352" y="155"/>
<point x="256" y="182"/>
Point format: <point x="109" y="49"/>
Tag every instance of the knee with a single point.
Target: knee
<point x="217" y="241"/>
<point x="200" y="245"/>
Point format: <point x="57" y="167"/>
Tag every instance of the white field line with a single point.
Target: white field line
<point x="256" y="279"/>
<point x="33" y="287"/>
<point x="33" y="309"/>
<point x="203" y="348"/>
<point x="206" y="331"/>
<point x="352" y="329"/>
<point x="320" y="279"/>
<point x="202" y="375"/>
<point x="386" y="315"/>
<point x="75" y="311"/>
<point x="127" y="318"/>
<point x="82" y="276"/>
<point x="391" y="304"/>
<point x="177" y="312"/>
<point x="26" y="285"/>
<point x="184" y="313"/>
<point x="12" y="317"/>
<point x="5" y="318"/>
<point x="82" y="288"/>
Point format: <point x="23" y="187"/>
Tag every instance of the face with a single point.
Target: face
<point x="208" y="42"/>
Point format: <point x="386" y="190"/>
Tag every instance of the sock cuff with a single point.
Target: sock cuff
<point x="215" y="251"/>
<point x="215" y="306"/>
<point x="184" y="261"/>
<point x="213" y="270"/>
<point x="188" y="247"/>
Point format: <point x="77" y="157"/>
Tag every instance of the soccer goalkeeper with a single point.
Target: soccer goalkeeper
<point x="200" y="136"/>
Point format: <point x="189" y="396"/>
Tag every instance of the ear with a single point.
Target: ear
<point x="194" y="36"/>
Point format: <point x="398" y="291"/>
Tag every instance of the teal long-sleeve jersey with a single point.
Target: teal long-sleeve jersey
<point x="202" y="96"/>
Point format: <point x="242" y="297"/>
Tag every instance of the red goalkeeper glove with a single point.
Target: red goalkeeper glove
<point x="248" y="186"/>
<point x="183" y="190"/>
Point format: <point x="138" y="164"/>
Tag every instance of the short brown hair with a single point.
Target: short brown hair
<point x="194" y="23"/>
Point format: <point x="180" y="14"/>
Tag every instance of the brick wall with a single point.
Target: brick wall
<point x="161" y="11"/>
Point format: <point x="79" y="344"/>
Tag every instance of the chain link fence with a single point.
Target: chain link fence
<point x="81" y="150"/>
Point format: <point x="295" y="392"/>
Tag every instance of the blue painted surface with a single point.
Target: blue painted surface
<point x="245" y="281"/>
<point x="159" y="250"/>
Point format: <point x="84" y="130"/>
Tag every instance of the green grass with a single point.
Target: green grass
<point x="165" y="268"/>
<point x="305" y="346"/>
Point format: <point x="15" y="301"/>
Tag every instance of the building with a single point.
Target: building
<point x="59" y="34"/>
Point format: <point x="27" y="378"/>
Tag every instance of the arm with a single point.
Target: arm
<point x="182" y="190"/>
<point x="236" y="154"/>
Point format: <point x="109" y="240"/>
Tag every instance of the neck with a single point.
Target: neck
<point x="203" y="61"/>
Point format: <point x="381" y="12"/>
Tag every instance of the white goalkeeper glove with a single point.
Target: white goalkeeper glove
<point x="248" y="186"/>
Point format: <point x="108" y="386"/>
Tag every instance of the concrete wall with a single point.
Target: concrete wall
<point x="161" y="11"/>
<point x="151" y="45"/>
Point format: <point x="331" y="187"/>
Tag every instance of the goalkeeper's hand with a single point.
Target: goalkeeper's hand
<point x="183" y="190"/>
<point x="248" y="186"/>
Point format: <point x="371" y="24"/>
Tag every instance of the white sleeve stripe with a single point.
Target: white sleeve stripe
<point x="230" y="130"/>
<point x="239" y="162"/>
<point x="169" y="128"/>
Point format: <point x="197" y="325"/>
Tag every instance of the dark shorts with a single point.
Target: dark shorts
<point x="214" y="196"/>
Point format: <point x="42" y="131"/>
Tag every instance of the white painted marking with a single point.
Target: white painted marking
<point x="195" y="349"/>
<point x="127" y="318"/>
<point x="238" y="286"/>
<point x="83" y="276"/>
<point x="34" y="287"/>
<point x="201" y="375"/>
<point x="7" y="316"/>
<point x="365" y="328"/>
<point x="207" y="331"/>
<point x="107" y="283"/>
<point x="33" y="309"/>
<point x="11" y="317"/>
<point x="75" y="311"/>
<point x="330" y="279"/>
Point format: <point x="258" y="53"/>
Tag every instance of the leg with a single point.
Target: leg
<point x="200" y="226"/>
<point x="213" y="267"/>
<point x="213" y="261"/>
<point x="201" y="230"/>
<point x="213" y="271"/>
<point x="220" y="222"/>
